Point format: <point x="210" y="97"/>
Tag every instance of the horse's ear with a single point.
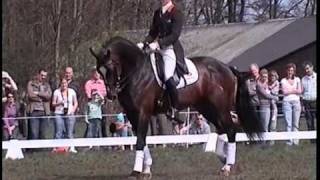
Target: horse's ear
<point x="106" y="52"/>
<point x="93" y="53"/>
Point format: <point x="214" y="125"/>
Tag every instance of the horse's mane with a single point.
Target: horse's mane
<point x="132" y="55"/>
<point x="123" y="47"/>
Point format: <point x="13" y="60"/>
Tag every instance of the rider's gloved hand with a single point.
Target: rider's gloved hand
<point x="140" y="45"/>
<point x="154" y="46"/>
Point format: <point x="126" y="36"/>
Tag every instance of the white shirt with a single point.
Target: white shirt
<point x="67" y="103"/>
<point x="309" y="84"/>
<point x="286" y="85"/>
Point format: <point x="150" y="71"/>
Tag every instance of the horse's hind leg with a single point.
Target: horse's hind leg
<point x="221" y="117"/>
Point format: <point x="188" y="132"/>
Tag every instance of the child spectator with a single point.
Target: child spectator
<point x="274" y="87"/>
<point x="121" y="126"/>
<point x="94" y="115"/>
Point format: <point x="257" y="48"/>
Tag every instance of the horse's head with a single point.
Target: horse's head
<point x="116" y="61"/>
<point x="109" y="68"/>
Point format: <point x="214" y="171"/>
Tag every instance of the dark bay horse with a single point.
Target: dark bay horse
<point x="219" y="91"/>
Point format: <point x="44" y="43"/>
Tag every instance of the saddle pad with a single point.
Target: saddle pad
<point x="191" y="78"/>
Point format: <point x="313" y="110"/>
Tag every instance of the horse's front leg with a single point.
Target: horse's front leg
<point x="143" y="160"/>
<point x="228" y="151"/>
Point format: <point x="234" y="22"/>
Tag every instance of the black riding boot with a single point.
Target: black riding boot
<point x="173" y="94"/>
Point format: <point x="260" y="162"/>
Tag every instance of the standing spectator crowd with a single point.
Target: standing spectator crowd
<point x="42" y="100"/>
<point x="265" y="91"/>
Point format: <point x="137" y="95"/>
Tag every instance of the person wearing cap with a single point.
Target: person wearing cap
<point x="95" y="83"/>
<point x="8" y="85"/>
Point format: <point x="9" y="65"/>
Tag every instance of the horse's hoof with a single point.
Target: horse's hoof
<point x="224" y="173"/>
<point x="225" y="170"/>
<point x="135" y="175"/>
<point x="146" y="176"/>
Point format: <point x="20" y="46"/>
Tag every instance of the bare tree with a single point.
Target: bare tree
<point x="242" y="10"/>
<point x="57" y="30"/>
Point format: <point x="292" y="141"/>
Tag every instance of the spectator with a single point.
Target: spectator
<point x="8" y="85"/>
<point x="265" y="98"/>
<point x="96" y="83"/>
<point x="291" y="107"/>
<point x="309" y="95"/>
<point x="39" y="96"/>
<point x="94" y="115"/>
<point x="68" y="74"/>
<point x="159" y="124"/>
<point x="198" y="126"/>
<point x="65" y="103"/>
<point x="252" y="86"/>
<point x="11" y="111"/>
<point x="122" y="126"/>
<point x="274" y="87"/>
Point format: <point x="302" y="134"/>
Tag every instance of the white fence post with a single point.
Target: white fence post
<point x="211" y="143"/>
<point x="14" y="151"/>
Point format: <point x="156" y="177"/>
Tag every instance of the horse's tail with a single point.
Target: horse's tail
<point x="247" y="115"/>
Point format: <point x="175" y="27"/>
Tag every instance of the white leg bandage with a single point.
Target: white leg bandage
<point x="221" y="149"/>
<point x="231" y="153"/>
<point x="147" y="161"/>
<point x="138" y="164"/>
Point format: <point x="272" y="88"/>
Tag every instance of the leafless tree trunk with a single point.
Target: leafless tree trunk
<point x="218" y="12"/>
<point x="313" y="7"/>
<point x="111" y="14"/>
<point x="242" y="7"/>
<point x="234" y="10"/>
<point x="195" y="12"/>
<point x="270" y="9"/>
<point x="231" y="10"/>
<point x="206" y="7"/>
<point x="58" y="34"/>
<point x="306" y="8"/>
<point x="138" y="14"/>
<point x="275" y="8"/>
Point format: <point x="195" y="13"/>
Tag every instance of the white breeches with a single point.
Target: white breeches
<point x="169" y="59"/>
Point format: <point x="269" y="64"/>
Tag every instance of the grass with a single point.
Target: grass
<point x="276" y="162"/>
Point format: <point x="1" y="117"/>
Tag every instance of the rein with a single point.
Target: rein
<point x="122" y="83"/>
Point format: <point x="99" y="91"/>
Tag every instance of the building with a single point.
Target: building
<point x="271" y="44"/>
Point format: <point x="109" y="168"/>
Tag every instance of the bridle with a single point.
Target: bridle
<point x="120" y="83"/>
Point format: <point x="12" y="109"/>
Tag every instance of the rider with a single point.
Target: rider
<point x="164" y="36"/>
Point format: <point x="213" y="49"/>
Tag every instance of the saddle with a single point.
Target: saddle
<point x="181" y="79"/>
